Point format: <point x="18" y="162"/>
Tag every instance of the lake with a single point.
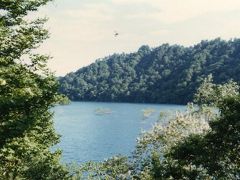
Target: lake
<point x="97" y="131"/>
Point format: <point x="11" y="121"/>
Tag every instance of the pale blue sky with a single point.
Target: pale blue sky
<point x="83" y="30"/>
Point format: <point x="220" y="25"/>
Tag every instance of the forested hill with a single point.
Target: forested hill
<point x="166" y="74"/>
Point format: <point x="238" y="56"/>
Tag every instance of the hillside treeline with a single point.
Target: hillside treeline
<point x="165" y="74"/>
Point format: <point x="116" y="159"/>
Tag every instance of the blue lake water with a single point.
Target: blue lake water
<point x="97" y="131"/>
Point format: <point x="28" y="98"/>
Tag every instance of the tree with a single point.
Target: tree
<point x="113" y="168"/>
<point x="27" y="91"/>
<point x="214" y="155"/>
<point x="201" y="143"/>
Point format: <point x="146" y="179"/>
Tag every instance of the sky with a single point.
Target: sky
<point x="82" y="31"/>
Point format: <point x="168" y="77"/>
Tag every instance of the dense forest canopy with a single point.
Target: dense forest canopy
<point x="165" y="74"/>
<point x="28" y="90"/>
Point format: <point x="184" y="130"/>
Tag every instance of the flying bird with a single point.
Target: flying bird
<point x="116" y="33"/>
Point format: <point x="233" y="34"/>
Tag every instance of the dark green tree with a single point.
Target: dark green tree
<point x="27" y="91"/>
<point x="200" y="144"/>
<point x="166" y="74"/>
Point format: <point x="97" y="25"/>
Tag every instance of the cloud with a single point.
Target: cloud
<point x="173" y="11"/>
<point x="97" y="12"/>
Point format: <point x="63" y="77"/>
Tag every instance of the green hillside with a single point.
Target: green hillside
<point x="165" y="74"/>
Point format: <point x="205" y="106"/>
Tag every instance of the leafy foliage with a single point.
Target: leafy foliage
<point x="199" y="144"/>
<point x="166" y="74"/>
<point x="27" y="91"/>
<point x="113" y="168"/>
<point x="217" y="152"/>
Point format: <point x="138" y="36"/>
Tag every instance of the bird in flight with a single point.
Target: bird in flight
<point x="116" y="33"/>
